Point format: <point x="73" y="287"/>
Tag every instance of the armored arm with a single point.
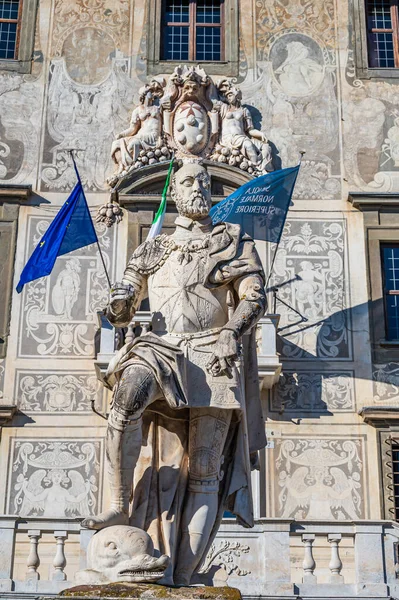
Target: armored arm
<point x="125" y="298"/>
<point x="251" y="307"/>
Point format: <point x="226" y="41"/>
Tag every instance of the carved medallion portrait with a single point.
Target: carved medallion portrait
<point x="297" y="64"/>
<point x="87" y="53"/>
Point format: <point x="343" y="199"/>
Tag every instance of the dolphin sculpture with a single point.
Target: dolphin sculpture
<point x="121" y="554"/>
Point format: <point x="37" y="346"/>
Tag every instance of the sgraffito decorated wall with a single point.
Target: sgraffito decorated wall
<point x="297" y="73"/>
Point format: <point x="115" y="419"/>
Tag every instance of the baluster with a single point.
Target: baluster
<point x="308" y="564"/>
<point x="59" y="561"/>
<point x="335" y="565"/>
<point x="130" y="333"/>
<point x="33" y="561"/>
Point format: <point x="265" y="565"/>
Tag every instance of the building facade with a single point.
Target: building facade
<point x="318" y="76"/>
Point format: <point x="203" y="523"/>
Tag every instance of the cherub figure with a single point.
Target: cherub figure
<point x="319" y="490"/>
<point x="54" y="500"/>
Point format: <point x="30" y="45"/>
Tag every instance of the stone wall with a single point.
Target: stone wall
<point x="297" y="71"/>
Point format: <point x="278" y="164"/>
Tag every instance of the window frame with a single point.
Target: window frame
<point x="385" y="291"/>
<point x="229" y="66"/>
<point x="192" y="25"/>
<point x="381" y="226"/>
<point x="361" y="53"/>
<point x="25" y="39"/>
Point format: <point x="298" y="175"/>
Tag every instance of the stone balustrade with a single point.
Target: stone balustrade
<point x="277" y="558"/>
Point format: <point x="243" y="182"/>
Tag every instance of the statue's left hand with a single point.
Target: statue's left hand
<point x="226" y="351"/>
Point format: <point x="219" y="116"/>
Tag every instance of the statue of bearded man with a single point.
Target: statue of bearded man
<point x="184" y="421"/>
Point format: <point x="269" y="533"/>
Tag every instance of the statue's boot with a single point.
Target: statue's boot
<point x="197" y="524"/>
<point x="123" y="448"/>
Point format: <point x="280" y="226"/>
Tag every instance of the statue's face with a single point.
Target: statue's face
<point x="192" y="192"/>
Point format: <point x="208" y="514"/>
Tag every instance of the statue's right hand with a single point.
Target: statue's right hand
<point x="120" y="296"/>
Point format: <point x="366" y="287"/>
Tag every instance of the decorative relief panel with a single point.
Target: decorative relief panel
<point x="57" y="391"/>
<point x="310" y="272"/>
<point x="20" y="119"/>
<point x="59" y="311"/>
<point x="320" y="479"/>
<point x="386" y="384"/>
<point x="85" y="105"/>
<point x="54" y="478"/>
<point x="297" y="90"/>
<point x="314" y="392"/>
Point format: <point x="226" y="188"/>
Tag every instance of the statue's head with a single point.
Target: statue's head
<point x="191" y="191"/>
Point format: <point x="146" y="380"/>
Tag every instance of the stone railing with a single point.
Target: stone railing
<point x="110" y="339"/>
<point x="40" y="554"/>
<point x="277" y="558"/>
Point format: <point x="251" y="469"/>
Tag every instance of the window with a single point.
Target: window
<point x="381" y="228"/>
<point x="192" y="30"/>
<point x="17" y="29"/>
<point x="10" y="19"/>
<point x="389" y="456"/>
<point x="382" y="33"/>
<point x="196" y="31"/>
<point x="390" y="263"/>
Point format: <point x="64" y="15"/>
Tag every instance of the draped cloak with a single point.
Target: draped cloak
<point x="161" y="474"/>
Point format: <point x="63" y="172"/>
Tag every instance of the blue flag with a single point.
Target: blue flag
<point x="264" y="200"/>
<point x="71" y="229"/>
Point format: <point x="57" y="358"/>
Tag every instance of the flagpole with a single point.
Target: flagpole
<point x="98" y="243"/>
<point x="302" y="153"/>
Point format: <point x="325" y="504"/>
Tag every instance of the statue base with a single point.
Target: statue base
<point x="149" y="591"/>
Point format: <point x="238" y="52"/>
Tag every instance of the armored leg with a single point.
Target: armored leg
<point x="136" y="389"/>
<point x="208" y="432"/>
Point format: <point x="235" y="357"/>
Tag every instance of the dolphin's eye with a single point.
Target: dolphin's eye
<point x="111" y="546"/>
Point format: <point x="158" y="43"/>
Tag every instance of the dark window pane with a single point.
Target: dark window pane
<point x="9" y="9"/>
<point x="381" y="50"/>
<point x="208" y="11"/>
<point x="208" y="43"/>
<point x="176" y="11"/>
<point x="379" y="14"/>
<point x="175" y="43"/>
<point x="8" y="36"/>
<point x="390" y="256"/>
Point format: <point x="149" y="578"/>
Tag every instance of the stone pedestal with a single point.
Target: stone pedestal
<point x="148" y="591"/>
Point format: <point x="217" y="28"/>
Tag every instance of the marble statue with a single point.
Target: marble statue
<point x="144" y="133"/>
<point x="121" y="554"/>
<point x="239" y="140"/>
<point x="192" y="118"/>
<point x="185" y="422"/>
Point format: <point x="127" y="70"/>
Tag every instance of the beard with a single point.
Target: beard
<point x="196" y="207"/>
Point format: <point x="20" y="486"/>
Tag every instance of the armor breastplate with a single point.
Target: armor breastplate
<point x="179" y="301"/>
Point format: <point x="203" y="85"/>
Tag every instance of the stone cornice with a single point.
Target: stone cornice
<point x="367" y="201"/>
<point x="380" y="415"/>
<point x="7" y="411"/>
<point x="10" y="193"/>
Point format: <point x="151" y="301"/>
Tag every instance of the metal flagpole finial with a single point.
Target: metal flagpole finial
<point x="302" y="153"/>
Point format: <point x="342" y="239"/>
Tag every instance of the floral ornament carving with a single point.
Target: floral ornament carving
<point x="55" y="479"/>
<point x="310" y="265"/>
<point x="320" y="479"/>
<point x="60" y="311"/>
<point x="225" y="555"/>
<point x="57" y="392"/>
